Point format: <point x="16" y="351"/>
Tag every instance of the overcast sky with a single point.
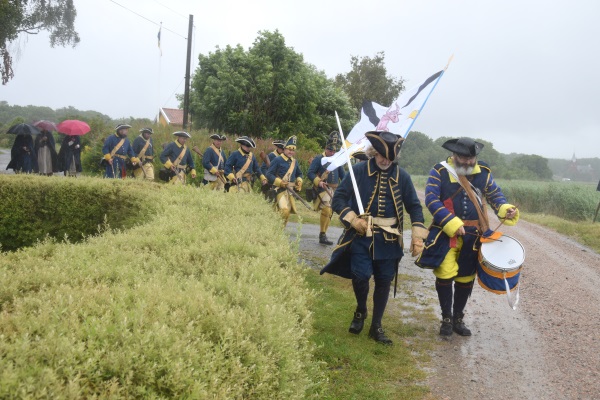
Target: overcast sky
<point x="524" y="76"/>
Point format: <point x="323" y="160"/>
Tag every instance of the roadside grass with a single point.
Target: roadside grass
<point x="584" y="232"/>
<point x="356" y="367"/>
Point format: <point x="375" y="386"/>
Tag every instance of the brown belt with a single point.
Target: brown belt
<point x="471" y="222"/>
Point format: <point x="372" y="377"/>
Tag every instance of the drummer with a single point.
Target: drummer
<point x="451" y="249"/>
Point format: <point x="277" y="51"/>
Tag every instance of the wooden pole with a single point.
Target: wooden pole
<point x="596" y="214"/>
<point x="186" y="93"/>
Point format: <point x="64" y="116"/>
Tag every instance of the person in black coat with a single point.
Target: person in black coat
<point x="69" y="156"/>
<point x="22" y="155"/>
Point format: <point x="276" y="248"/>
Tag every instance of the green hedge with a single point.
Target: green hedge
<point x="32" y="207"/>
<point x="195" y="303"/>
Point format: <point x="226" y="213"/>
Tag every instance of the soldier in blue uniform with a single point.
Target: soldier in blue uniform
<point x="213" y="162"/>
<point x="371" y="244"/>
<point x="177" y="158"/>
<point x="117" y="150"/>
<point x="285" y="175"/>
<point x="241" y="167"/>
<point x="325" y="182"/>
<point x="452" y="246"/>
<point x="267" y="160"/>
<point x="144" y="149"/>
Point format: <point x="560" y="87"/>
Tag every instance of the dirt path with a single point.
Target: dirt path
<point x="549" y="348"/>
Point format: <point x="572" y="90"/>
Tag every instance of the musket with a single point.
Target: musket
<point x="197" y="151"/>
<point x="237" y="183"/>
<point x="297" y="196"/>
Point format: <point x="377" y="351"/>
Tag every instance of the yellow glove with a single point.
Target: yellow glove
<point x="419" y="234"/>
<point x="298" y="187"/>
<point x="135" y="160"/>
<point x="193" y="174"/>
<point x="360" y="225"/>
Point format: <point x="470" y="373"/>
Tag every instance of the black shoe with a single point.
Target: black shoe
<point x="459" y="326"/>
<point x="377" y="334"/>
<point x="358" y="322"/>
<point x="323" y="239"/>
<point x="446" y="328"/>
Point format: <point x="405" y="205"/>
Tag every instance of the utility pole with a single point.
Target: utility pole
<point x="186" y="93"/>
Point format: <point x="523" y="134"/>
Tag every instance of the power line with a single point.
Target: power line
<point x="149" y="20"/>
<point x="166" y="101"/>
<point x="181" y="15"/>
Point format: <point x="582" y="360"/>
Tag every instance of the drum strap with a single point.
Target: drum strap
<point x="512" y="304"/>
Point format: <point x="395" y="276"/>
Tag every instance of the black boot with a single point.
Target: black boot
<point x="446" y="328"/>
<point x="323" y="239"/>
<point x="358" y="322"/>
<point x="459" y="326"/>
<point x="377" y="334"/>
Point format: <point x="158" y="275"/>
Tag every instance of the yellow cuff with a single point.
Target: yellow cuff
<point x="262" y="177"/>
<point x="168" y="164"/>
<point x="350" y="216"/>
<point x="107" y="156"/>
<point x="135" y="160"/>
<point x="452" y="226"/>
<point x="231" y="176"/>
<point x="316" y="181"/>
<point x="213" y="170"/>
<point x="419" y="232"/>
<point x="298" y="180"/>
<point x="277" y="182"/>
<point x="502" y="214"/>
<point x="193" y="172"/>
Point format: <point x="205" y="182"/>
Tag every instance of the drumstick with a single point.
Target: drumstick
<point x="480" y="236"/>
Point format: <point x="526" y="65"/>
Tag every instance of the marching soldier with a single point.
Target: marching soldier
<point x="267" y="159"/>
<point x="213" y="162"/>
<point x="325" y="182"/>
<point x="371" y="244"/>
<point x="178" y="159"/>
<point x="241" y="166"/>
<point x="144" y="148"/>
<point x="117" y="150"/>
<point x="285" y="175"/>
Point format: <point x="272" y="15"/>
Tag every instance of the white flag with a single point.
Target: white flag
<point x="398" y="118"/>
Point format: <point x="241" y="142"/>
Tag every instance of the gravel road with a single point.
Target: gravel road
<point x="549" y="348"/>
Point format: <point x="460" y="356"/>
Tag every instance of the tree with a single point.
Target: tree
<point x="32" y="17"/>
<point x="266" y="91"/>
<point x="532" y="167"/>
<point x="368" y="80"/>
<point x="420" y="153"/>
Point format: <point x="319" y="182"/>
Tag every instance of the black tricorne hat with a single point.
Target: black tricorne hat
<point x="279" y="143"/>
<point x="360" y="155"/>
<point x="122" y="126"/>
<point x="333" y="141"/>
<point x="463" y="146"/>
<point x="216" y="136"/>
<point x="385" y="143"/>
<point x="147" y="130"/>
<point x="246" y="141"/>
<point x="182" y="134"/>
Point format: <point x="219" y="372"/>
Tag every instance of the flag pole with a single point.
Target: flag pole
<point x="361" y="209"/>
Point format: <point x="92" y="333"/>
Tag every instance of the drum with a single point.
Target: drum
<point x="500" y="264"/>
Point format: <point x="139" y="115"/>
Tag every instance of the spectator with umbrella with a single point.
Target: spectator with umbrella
<point x="117" y="150"/>
<point x="22" y="154"/>
<point x="69" y="156"/>
<point x="45" y="149"/>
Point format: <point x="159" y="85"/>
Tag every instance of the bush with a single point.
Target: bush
<point x="182" y="306"/>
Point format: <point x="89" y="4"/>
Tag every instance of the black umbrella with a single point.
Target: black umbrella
<point x="21" y="129"/>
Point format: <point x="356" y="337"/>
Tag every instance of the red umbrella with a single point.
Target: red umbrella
<point x="73" y="127"/>
<point x="45" y="125"/>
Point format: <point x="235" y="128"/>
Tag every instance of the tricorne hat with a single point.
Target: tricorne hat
<point x="463" y="146"/>
<point x="147" y="130"/>
<point x="333" y="141"/>
<point x="360" y="155"/>
<point x="122" y="126"/>
<point x="216" y="136"/>
<point x="182" y="134"/>
<point x="385" y="143"/>
<point x="291" y="143"/>
<point x="246" y="141"/>
<point x="279" y="143"/>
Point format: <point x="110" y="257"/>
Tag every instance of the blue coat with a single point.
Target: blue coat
<point x="22" y="155"/>
<point x="173" y="150"/>
<point x="315" y="170"/>
<point x="271" y="156"/>
<point x="125" y="150"/>
<point x="383" y="194"/>
<point x="236" y="161"/>
<point x="279" y="167"/>
<point x="210" y="159"/>
<point x="67" y="154"/>
<point x="446" y="211"/>
<point x="139" y="143"/>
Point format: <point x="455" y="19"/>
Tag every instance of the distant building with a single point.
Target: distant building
<point x="171" y="117"/>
